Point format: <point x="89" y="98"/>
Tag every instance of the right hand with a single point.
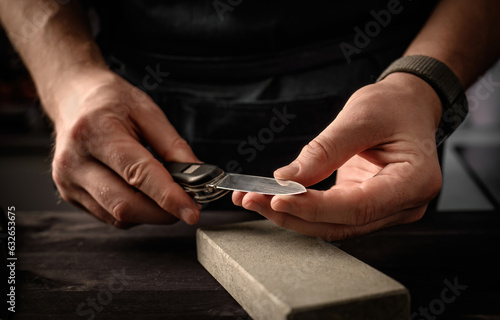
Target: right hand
<point x="100" y="163"/>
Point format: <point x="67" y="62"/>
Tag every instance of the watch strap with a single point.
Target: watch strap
<point x="443" y="81"/>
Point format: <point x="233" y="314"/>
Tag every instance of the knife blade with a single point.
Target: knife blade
<point x="207" y="182"/>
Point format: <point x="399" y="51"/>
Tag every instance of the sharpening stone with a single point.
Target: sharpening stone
<point x="275" y="273"/>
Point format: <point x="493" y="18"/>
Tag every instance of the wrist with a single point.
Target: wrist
<point x="445" y="83"/>
<point x="61" y="96"/>
<point x="413" y="85"/>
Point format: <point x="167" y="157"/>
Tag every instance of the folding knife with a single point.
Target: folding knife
<point x="207" y="182"/>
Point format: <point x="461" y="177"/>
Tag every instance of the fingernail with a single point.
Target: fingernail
<point x="288" y="171"/>
<point x="188" y="215"/>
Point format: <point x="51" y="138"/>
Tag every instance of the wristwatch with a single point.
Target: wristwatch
<point x="445" y="83"/>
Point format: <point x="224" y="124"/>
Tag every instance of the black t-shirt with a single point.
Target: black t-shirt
<point x="207" y="28"/>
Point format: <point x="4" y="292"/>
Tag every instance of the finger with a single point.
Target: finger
<point x="326" y="231"/>
<point x="64" y="167"/>
<point x="78" y="197"/>
<point x="346" y="136"/>
<point x="393" y="189"/>
<point x="261" y="204"/>
<point x="119" y="200"/>
<point x="155" y="128"/>
<point x="237" y="197"/>
<point x="89" y="205"/>
<point x="137" y="166"/>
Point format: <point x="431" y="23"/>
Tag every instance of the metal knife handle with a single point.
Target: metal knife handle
<point x="193" y="173"/>
<point x="195" y="178"/>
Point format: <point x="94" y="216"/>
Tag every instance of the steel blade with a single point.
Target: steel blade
<point x="263" y="185"/>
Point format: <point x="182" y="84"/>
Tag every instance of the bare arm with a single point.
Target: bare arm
<point x="464" y="35"/>
<point x="100" y="120"/>
<point x="54" y="41"/>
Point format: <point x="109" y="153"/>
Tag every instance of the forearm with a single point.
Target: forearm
<point x="54" y="42"/>
<point x="464" y="35"/>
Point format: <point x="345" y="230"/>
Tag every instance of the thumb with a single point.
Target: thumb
<point x="339" y="142"/>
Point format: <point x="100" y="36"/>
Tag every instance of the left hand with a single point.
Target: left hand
<point x="383" y="145"/>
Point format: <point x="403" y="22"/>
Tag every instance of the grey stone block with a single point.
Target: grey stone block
<point x="276" y="273"/>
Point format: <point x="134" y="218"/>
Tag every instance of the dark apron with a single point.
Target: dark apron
<point x="251" y="126"/>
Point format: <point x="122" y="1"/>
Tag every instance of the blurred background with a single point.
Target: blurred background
<point x="25" y="139"/>
<point x="471" y="176"/>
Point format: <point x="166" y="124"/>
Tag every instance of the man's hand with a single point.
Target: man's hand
<point x="383" y="145"/>
<point x="100" y="162"/>
<point x="102" y="123"/>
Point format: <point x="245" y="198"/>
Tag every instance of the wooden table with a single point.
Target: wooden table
<point x="71" y="266"/>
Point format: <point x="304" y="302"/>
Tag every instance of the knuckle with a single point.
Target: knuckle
<point x="63" y="164"/>
<point x="122" y="112"/>
<point x="121" y="211"/>
<point x="58" y="179"/>
<point x="136" y="173"/>
<point x="80" y="136"/>
<point x="319" y="149"/>
<point x="90" y="130"/>
<point x="63" y="160"/>
<point x="105" y="123"/>
<point x="81" y="129"/>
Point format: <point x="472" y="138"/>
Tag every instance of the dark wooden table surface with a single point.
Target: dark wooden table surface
<point x="71" y="266"/>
